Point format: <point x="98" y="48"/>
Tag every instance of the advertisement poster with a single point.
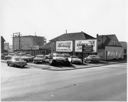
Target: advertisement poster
<point x="92" y="43"/>
<point x="64" y="46"/>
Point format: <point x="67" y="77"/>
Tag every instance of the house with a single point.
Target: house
<point x="109" y="47"/>
<point x="72" y="43"/>
<point x="124" y="46"/>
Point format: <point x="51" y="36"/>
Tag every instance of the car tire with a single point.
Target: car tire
<point x="53" y="62"/>
<point x="11" y="65"/>
<point x="35" y="62"/>
<point x="8" y="64"/>
<point x="22" y="66"/>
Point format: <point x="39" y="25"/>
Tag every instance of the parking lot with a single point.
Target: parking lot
<point x="46" y="66"/>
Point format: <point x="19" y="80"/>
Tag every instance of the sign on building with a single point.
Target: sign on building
<point x="64" y="46"/>
<point x="90" y="45"/>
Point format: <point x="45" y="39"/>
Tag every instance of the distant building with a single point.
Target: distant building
<point x="109" y="47"/>
<point x="28" y="42"/>
<point x="72" y="43"/>
<point x="6" y="46"/>
<point x="2" y="44"/>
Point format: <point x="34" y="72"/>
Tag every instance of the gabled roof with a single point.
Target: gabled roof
<point x="2" y="38"/>
<point x="108" y="40"/>
<point x="73" y="36"/>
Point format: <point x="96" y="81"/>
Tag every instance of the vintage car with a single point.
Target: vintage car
<point x="9" y="56"/>
<point x="75" y="60"/>
<point x="16" y="61"/>
<point x="39" y="59"/>
<point x="92" y="58"/>
<point x="47" y="58"/>
<point x="58" y="59"/>
<point x="27" y="57"/>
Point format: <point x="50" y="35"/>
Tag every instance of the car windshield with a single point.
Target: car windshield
<point x="93" y="56"/>
<point x="16" y="59"/>
<point x="28" y="55"/>
<point x="40" y="56"/>
<point x="58" y="55"/>
<point x="74" y="57"/>
<point x="66" y="55"/>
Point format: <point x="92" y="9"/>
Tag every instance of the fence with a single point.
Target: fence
<point x="35" y="52"/>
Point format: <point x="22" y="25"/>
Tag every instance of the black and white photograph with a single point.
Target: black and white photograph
<point x="63" y="50"/>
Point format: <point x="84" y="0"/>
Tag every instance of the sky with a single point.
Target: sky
<point x="51" y="18"/>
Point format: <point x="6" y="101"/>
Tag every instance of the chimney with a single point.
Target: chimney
<point x="66" y="31"/>
<point x="97" y="35"/>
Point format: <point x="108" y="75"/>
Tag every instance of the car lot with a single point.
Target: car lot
<point x="47" y="66"/>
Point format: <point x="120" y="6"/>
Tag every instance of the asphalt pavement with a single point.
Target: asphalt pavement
<point x="97" y="83"/>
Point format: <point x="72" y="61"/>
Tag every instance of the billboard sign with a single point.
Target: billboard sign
<point x="87" y="48"/>
<point x="89" y="45"/>
<point x="64" y="46"/>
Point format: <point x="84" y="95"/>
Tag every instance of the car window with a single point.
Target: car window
<point x="74" y="57"/>
<point x="59" y="55"/>
<point x="17" y="59"/>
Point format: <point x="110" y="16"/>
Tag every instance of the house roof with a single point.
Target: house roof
<point x="2" y="38"/>
<point x="73" y="36"/>
<point x="108" y="40"/>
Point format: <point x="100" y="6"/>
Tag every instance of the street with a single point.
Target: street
<point x="104" y="83"/>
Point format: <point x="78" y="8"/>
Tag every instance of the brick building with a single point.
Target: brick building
<point x="28" y="42"/>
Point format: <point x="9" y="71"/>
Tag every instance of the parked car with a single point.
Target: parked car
<point x="75" y="60"/>
<point x="9" y="56"/>
<point x="27" y="57"/>
<point x="16" y="61"/>
<point x="57" y="58"/>
<point x="39" y="59"/>
<point x="3" y="55"/>
<point x="92" y="58"/>
<point x="47" y="58"/>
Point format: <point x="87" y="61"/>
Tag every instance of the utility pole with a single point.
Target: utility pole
<point x="13" y="42"/>
<point x="66" y="31"/>
<point x="19" y="41"/>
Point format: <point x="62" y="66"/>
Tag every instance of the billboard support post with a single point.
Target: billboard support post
<point x="83" y="53"/>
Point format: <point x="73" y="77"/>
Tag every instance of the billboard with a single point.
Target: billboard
<point x="89" y="44"/>
<point x="64" y="46"/>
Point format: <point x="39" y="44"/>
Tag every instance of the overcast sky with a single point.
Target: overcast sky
<point x="51" y="18"/>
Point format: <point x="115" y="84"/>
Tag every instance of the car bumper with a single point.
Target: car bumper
<point x="38" y="61"/>
<point x="21" y="64"/>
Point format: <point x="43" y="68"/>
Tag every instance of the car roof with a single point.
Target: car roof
<point x="39" y="55"/>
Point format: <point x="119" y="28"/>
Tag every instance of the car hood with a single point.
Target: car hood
<point x="76" y="59"/>
<point x="59" y="58"/>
